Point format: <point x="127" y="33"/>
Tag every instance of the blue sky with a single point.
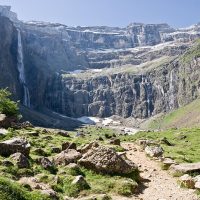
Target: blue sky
<point x="177" y="13"/>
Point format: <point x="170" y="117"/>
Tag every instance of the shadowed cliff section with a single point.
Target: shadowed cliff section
<point x="8" y="57"/>
<point x="47" y="118"/>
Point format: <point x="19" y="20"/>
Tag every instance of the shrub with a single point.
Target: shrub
<point x="7" y="106"/>
<point x="126" y="188"/>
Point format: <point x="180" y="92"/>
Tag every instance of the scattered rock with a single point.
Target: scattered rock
<point x="154" y="151"/>
<point x="46" y="163"/>
<point x="181" y="137"/>
<point x="108" y="136"/>
<point x="44" y="131"/>
<point x="185" y="168"/>
<point x="197" y="185"/>
<point x="3" y="131"/>
<point x="196" y="178"/>
<point x="7" y="163"/>
<point x="96" y="197"/>
<point x="105" y="160"/>
<point x="115" y="141"/>
<point x="68" y="145"/>
<point x="114" y="135"/>
<point x="144" y="143"/>
<point x="165" y="141"/>
<point x="187" y="181"/>
<point x="167" y="162"/>
<point x="48" y="137"/>
<point x="79" y="134"/>
<point x="100" y="138"/>
<point x="40" y="152"/>
<point x="15" y="145"/>
<point x="72" y="166"/>
<point x="63" y="133"/>
<point x="35" y="184"/>
<point x="80" y="182"/>
<point x="20" y="160"/>
<point x="50" y="193"/>
<point x="33" y="133"/>
<point x="66" y="157"/>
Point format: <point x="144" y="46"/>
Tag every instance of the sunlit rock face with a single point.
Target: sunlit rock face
<point x="52" y="53"/>
<point x="124" y="94"/>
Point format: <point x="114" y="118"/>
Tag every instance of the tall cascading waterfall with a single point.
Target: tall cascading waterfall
<point x="148" y="90"/>
<point x="20" y="66"/>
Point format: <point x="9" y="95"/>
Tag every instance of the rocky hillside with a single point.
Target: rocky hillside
<point x="136" y="71"/>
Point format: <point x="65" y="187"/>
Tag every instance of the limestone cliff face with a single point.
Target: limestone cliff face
<point x="156" y="91"/>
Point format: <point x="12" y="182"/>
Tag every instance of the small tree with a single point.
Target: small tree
<point x="7" y="106"/>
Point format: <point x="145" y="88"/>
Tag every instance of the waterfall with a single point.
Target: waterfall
<point x="20" y="66"/>
<point x="148" y="90"/>
<point x="171" y="90"/>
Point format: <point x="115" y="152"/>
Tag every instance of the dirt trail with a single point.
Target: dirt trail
<point x="158" y="184"/>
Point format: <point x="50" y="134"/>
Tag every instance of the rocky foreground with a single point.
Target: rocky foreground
<point x="65" y="165"/>
<point x="92" y="163"/>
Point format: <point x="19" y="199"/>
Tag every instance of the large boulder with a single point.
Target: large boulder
<point x="66" y="157"/>
<point x="106" y="160"/>
<point x="20" y="160"/>
<point x="14" y="145"/>
<point x="185" y="168"/>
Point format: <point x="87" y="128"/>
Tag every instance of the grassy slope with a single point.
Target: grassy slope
<point x="184" y="117"/>
<point x="191" y="53"/>
<point x="185" y="143"/>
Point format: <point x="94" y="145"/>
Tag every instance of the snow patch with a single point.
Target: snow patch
<point x="88" y="120"/>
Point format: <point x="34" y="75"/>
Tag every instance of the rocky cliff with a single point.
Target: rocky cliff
<point x="8" y="57"/>
<point x="98" y="71"/>
<point x="157" y="90"/>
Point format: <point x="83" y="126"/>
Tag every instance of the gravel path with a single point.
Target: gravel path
<point x="158" y="184"/>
